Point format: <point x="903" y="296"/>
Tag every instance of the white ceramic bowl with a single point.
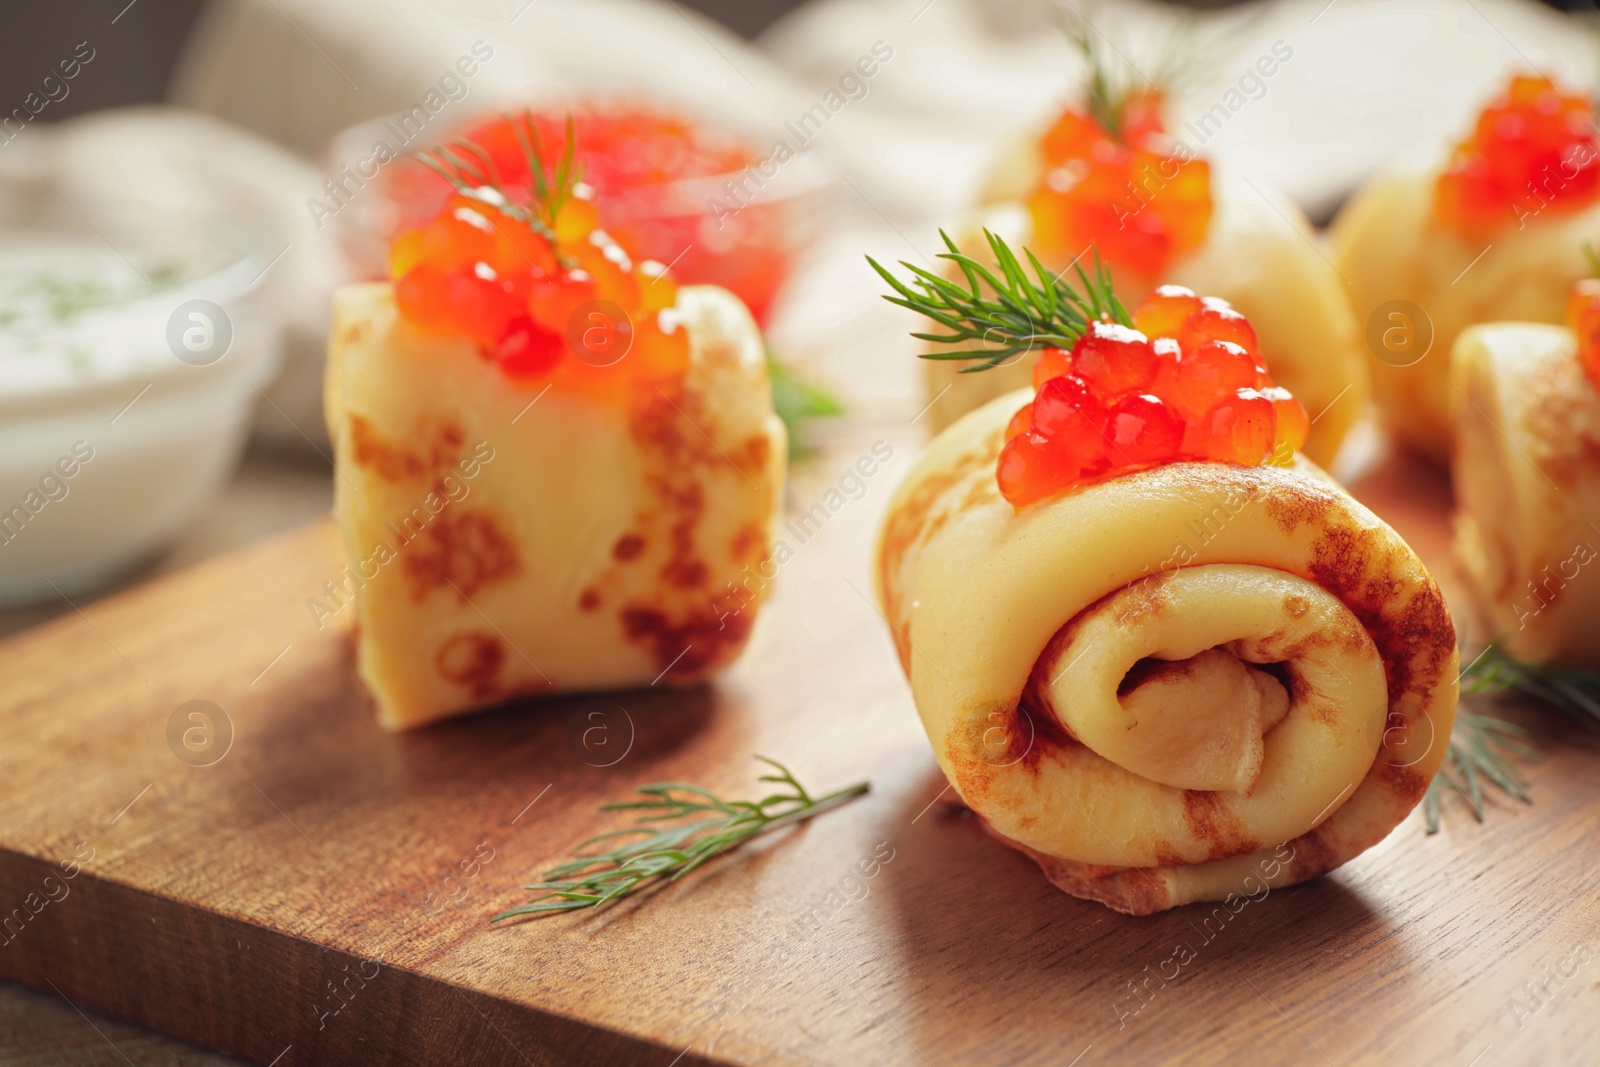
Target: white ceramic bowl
<point x="98" y="470"/>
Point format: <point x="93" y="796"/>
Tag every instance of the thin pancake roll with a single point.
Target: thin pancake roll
<point x="1527" y="425"/>
<point x="1173" y="685"/>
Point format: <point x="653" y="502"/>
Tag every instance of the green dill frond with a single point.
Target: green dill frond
<point x="695" y="826"/>
<point x="1006" y="312"/>
<point x="471" y="171"/>
<point x="1481" y="745"/>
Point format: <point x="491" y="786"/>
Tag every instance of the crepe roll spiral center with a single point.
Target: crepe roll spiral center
<point x="1224" y="678"/>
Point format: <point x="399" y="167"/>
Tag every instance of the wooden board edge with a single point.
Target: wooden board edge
<point x="264" y="995"/>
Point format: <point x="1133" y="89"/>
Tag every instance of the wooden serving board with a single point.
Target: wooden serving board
<point x="321" y="892"/>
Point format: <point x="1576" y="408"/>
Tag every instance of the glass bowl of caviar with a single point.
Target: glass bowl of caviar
<point x="716" y="205"/>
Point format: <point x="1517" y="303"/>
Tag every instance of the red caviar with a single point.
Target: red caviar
<point x="1138" y="204"/>
<point x="1184" y="383"/>
<point x="1583" y="318"/>
<point x="544" y="296"/>
<point x="652" y="174"/>
<point x="1533" y="150"/>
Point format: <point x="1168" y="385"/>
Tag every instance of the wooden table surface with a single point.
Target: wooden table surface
<point x="302" y="899"/>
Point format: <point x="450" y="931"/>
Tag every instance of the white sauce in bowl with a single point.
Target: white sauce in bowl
<point x="74" y="312"/>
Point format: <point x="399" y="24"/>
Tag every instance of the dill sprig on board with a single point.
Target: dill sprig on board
<point x="1008" y="312"/>
<point x="1568" y="689"/>
<point x="703" y="827"/>
<point x="1481" y="745"/>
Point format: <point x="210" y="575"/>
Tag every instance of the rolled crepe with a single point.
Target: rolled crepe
<point x="1420" y="283"/>
<point x="1170" y="683"/>
<point x="1258" y="255"/>
<point x="1527" y="425"/>
<point x="504" y="538"/>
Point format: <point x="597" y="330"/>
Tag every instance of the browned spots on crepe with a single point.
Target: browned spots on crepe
<point x="967" y="749"/>
<point x="749" y="544"/>
<point x="684" y="627"/>
<point x="388" y="461"/>
<point x="463" y="550"/>
<point x="1351" y="639"/>
<point x="1406" y="783"/>
<point x="685" y="648"/>
<point x="679" y="432"/>
<point x="473" y="660"/>
<point x="1212" y="824"/>
<point x="980" y="746"/>
<point x="685" y="503"/>
<point x="1312" y="856"/>
<point x="679" y="440"/>
<point x="1305" y="502"/>
<point x="654" y="420"/>
<point x="588" y="600"/>
<point x="1414" y="636"/>
<point x="752" y="454"/>
<point x="437" y="444"/>
<point x="1358" y="563"/>
<point x="1368" y="569"/>
<point x="1148" y="600"/>
<point x="1295" y="606"/>
<point x="1168" y="856"/>
<point x="355" y="333"/>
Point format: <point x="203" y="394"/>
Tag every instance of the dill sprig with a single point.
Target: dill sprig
<point x="1480" y="749"/>
<point x="1106" y="87"/>
<point x="1020" y="314"/>
<point x="472" y="172"/>
<point x="593" y="879"/>
<point x="1110" y="81"/>
<point x="1574" y="691"/>
<point x="1480" y="745"/>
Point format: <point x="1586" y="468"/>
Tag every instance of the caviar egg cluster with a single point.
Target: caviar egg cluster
<point x="642" y="165"/>
<point x="550" y="299"/>
<point x="1138" y="205"/>
<point x="1184" y="382"/>
<point x="1583" y="318"/>
<point x="1533" y="150"/>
